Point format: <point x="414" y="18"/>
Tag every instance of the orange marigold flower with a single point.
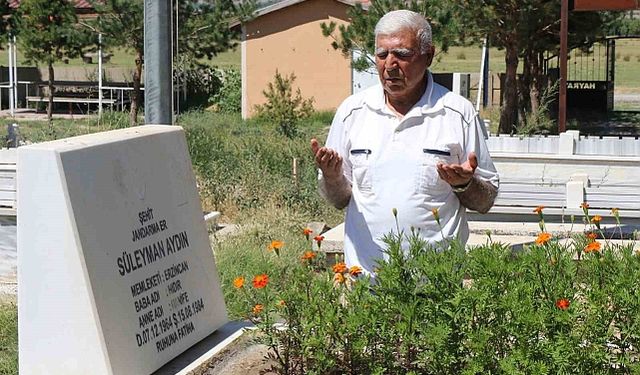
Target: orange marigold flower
<point x="591" y="247"/>
<point x="340" y="267"/>
<point x="584" y="205"/>
<point x="238" y="282"/>
<point x="543" y="238"/>
<point x="563" y="304"/>
<point x="308" y="255"/>
<point x="260" y="281"/>
<point x="307" y="232"/>
<point x="538" y="210"/>
<point x="592" y="236"/>
<point x="596" y="219"/>
<point x="318" y="239"/>
<point x="615" y="212"/>
<point x="355" y="271"/>
<point x="338" y="278"/>
<point x="275" y="245"/>
<point x="257" y="309"/>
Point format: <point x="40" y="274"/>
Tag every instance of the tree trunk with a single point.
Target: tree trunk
<point x="135" y="95"/>
<point x="509" y="110"/>
<point x="538" y="84"/>
<point x="51" y="92"/>
<point x="524" y="88"/>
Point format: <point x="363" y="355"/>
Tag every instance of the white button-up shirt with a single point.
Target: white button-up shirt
<point x="391" y="163"/>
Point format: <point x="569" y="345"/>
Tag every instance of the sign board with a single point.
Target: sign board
<point x="115" y="269"/>
<point x="590" y="96"/>
<point x="590" y="5"/>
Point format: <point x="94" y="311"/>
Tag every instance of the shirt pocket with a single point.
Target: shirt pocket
<point x="361" y="169"/>
<point x="428" y="180"/>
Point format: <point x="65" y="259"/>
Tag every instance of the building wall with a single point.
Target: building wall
<point x="290" y="40"/>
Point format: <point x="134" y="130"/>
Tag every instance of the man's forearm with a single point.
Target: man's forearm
<point x="479" y="196"/>
<point x="336" y="190"/>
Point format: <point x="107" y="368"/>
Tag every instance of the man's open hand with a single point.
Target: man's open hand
<point x="458" y="174"/>
<point x="328" y="160"/>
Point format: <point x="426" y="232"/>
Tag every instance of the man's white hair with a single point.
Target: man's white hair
<point x="397" y="20"/>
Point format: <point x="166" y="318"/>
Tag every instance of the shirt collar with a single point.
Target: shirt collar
<point x="427" y="103"/>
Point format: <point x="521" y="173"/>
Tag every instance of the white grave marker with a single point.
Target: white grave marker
<point x="115" y="270"/>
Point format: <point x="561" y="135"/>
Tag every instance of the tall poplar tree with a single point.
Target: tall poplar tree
<point x="48" y="33"/>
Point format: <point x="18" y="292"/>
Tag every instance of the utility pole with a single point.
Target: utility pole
<point x="158" y="74"/>
<point x="562" y="100"/>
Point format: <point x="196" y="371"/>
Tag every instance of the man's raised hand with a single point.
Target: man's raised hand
<point x="328" y="160"/>
<point x="458" y="174"/>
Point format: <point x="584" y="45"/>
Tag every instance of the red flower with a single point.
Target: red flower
<point x="355" y="271"/>
<point x="260" y="281"/>
<point x="584" y="205"/>
<point x="308" y="255"/>
<point x="307" y="232"/>
<point x="275" y="245"/>
<point x="543" y="238"/>
<point x="563" y="304"/>
<point x="238" y="282"/>
<point x="340" y="268"/>
<point x="318" y="239"/>
<point x="592" y="247"/>
<point x="257" y="309"/>
<point x="538" y="210"/>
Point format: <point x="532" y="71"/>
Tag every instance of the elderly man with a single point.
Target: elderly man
<point x="407" y="143"/>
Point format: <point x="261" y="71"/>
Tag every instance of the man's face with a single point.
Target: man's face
<point x="401" y="66"/>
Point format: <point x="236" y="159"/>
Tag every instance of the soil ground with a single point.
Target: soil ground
<point x="243" y="357"/>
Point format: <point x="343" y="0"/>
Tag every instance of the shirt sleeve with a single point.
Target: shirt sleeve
<point x="476" y="142"/>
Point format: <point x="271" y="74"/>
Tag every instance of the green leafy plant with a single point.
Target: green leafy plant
<point x="284" y="107"/>
<point x="539" y="121"/>
<point x="228" y="99"/>
<point x="201" y="82"/>
<point x="553" y="308"/>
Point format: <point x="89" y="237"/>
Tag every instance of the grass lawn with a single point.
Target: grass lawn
<point x="8" y="338"/>
<point x="124" y="58"/>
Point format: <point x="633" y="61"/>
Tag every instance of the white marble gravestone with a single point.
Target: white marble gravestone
<point x="115" y="270"/>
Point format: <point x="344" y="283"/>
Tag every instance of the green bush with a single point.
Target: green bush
<point x="548" y="309"/>
<point x="201" y="83"/>
<point x="228" y="99"/>
<point x="283" y="107"/>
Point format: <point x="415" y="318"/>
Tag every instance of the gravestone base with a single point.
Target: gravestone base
<point x="197" y="358"/>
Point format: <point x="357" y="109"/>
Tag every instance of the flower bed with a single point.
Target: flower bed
<point x="549" y="309"/>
